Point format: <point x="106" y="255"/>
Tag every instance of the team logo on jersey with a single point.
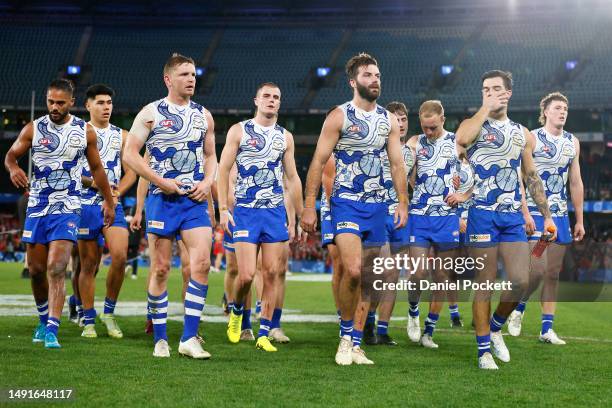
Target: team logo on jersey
<point x="198" y="122"/>
<point x="45" y="141"/>
<point x="277" y="145"/>
<point x="115" y="144"/>
<point x="490" y="137"/>
<point x="74" y="141"/>
<point x="347" y="225"/>
<point x="166" y="123"/>
<point x="480" y="238"/>
<point x="354" y="129"/>
<point x="383" y="129"/>
<point x="545" y="149"/>
<point x="567" y="151"/>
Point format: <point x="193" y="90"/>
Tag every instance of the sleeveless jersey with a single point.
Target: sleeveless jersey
<point x="175" y="143"/>
<point x="57" y="151"/>
<point x="358" y="154"/>
<point x="495" y="157"/>
<point x="436" y="165"/>
<point x="390" y="193"/>
<point x="259" y="183"/>
<point x="553" y="156"/>
<point x="109" y="148"/>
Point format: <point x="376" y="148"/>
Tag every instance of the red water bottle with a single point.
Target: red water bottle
<point x="543" y="242"/>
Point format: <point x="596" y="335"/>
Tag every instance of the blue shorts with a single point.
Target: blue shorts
<point x="564" y="232"/>
<point x="327" y="230"/>
<point x="167" y="215"/>
<point x="92" y="222"/>
<point x="396" y="237"/>
<point x="52" y="227"/>
<point x="488" y="228"/>
<point x="228" y="241"/>
<point x="441" y="231"/>
<point x="260" y="225"/>
<point x="367" y="220"/>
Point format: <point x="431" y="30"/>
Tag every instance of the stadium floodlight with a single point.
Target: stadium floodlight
<point x="322" y="72"/>
<point x="200" y="71"/>
<point x="571" y="65"/>
<point x="446" y="69"/>
<point x="73" y="69"/>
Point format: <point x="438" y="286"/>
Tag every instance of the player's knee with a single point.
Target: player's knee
<point x="56" y="269"/>
<point x="119" y="258"/>
<point x="160" y="271"/>
<point x="37" y="270"/>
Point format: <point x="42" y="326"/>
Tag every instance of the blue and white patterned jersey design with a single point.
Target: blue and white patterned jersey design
<point x="57" y="151"/>
<point x="390" y="193"/>
<point x="259" y="182"/>
<point x="176" y="142"/>
<point x="358" y="154"/>
<point x="495" y="157"/>
<point x="325" y="210"/>
<point x="436" y="165"/>
<point x="109" y="148"/>
<point x="466" y="177"/>
<point x="553" y="156"/>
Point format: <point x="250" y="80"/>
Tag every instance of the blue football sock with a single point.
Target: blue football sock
<point x="357" y="335"/>
<point x="53" y="325"/>
<point x="79" y="308"/>
<point x="258" y="306"/>
<point x="195" y="299"/>
<point x="521" y="306"/>
<point x="497" y="322"/>
<point x="382" y="328"/>
<point x="413" y="309"/>
<point x="430" y="323"/>
<point x="454" y="311"/>
<point x="158" y="309"/>
<point x="276" y="317"/>
<point x="484" y="344"/>
<point x="238" y="309"/>
<point x="109" y="305"/>
<point x="89" y="316"/>
<point x="246" y="320"/>
<point x="346" y="327"/>
<point x="264" y="327"/>
<point x="72" y="300"/>
<point x="547" y="322"/>
<point x="371" y="320"/>
<point x="43" y="311"/>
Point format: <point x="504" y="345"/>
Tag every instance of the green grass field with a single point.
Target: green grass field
<point x="107" y="372"/>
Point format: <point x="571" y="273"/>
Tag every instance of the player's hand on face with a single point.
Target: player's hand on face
<point x="308" y="219"/>
<point x="578" y="232"/>
<point x="530" y="226"/>
<point x="225" y="219"/>
<point x="549" y="225"/>
<point x="171" y="186"/>
<point x="19" y="178"/>
<point x="200" y="191"/>
<point x="400" y="218"/>
<point x="136" y="221"/>
<point x="109" y="213"/>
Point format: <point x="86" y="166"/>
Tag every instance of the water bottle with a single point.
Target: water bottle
<point x="543" y="242"/>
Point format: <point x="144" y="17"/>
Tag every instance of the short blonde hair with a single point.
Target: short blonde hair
<point x="175" y="60"/>
<point x="431" y="107"/>
<point x="546" y="101"/>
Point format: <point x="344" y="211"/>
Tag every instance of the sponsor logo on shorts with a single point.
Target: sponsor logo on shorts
<point x="241" y="234"/>
<point x="412" y="238"/>
<point x="328" y="236"/>
<point x="347" y="225"/>
<point x="83" y="231"/>
<point x="27" y="234"/>
<point x="480" y="238"/>
<point x="455" y="233"/>
<point x="537" y="234"/>
<point x="155" y="224"/>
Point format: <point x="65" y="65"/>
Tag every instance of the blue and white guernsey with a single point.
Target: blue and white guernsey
<point x="358" y="154"/>
<point x="175" y="143"/>
<point x="109" y="148"/>
<point x="325" y="211"/>
<point x="553" y="156"/>
<point x="390" y="193"/>
<point x="495" y="157"/>
<point x="57" y="151"/>
<point x="259" y="182"/>
<point x="436" y="165"/>
<point x="466" y="176"/>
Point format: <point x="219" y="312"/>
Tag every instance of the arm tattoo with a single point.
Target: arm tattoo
<point x="536" y="188"/>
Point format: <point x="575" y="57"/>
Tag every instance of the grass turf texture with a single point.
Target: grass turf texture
<point x="105" y="371"/>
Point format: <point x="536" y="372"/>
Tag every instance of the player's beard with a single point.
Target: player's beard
<point x="366" y="93"/>
<point x="61" y="119"/>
